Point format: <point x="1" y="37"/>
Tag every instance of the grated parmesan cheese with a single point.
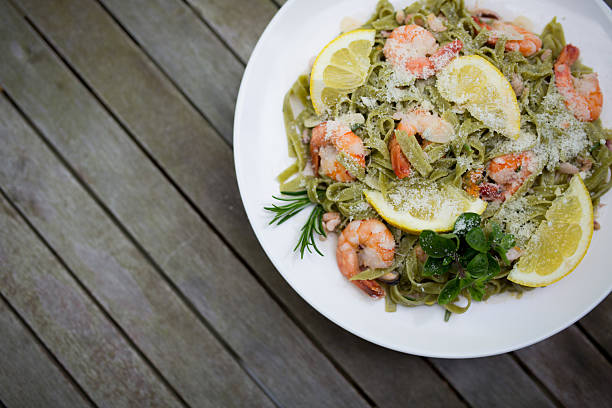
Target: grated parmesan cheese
<point x="562" y="136"/>
<point x="515" y="219"/>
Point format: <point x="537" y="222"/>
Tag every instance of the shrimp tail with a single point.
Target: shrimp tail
<point x="568" y="56"/>
<point x="348" y="263"/>
<point x="371" y="288"/>
<point x="446" y="54"/>
<point x="399" y="162"/>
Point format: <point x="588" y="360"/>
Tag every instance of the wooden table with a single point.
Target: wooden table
<point x="129" y="275"/>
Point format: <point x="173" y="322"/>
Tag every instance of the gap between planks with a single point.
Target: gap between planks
<point x="214" y="31"/>
<point x="134" y="242"/>
<point x="38" y="341"/>
<point x="278" y="3"/>
<point x="194" y="207"/>
<point x="551" y="396"/>
<point x="151" y="59"/>
<point x="73" y="276"/>
<point x="593" y="340"/>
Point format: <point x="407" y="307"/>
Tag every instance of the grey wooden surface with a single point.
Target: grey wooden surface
<point x="124" y="282"/>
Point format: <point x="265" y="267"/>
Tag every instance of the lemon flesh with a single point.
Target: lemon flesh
<point x="561" y="240"/>
<point x="340" y="68"/>
<point x="435" y="209"/>
<point x="476" y="84"/>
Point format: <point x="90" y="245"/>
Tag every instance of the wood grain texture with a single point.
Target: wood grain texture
<point x="572" y="369"/>
<point x="188" y="51"/>
<point x="239" y="23"/>
<point x="200" y="162"/>
<point x="29" y="377"/>
<point x="117" y="274"/>
<point x="71" y="326"/>
<point x="598" y="323"/>
<point x="190" y="253"/>
<point x="492" y="382"/>
<point x="166" y="124"/>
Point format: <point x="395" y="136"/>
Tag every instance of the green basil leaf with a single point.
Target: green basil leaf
<point x="466" y="222"/>
<point x="507" y="242"/>
<point x="453" y="237"/>
<point x="496" y="234"/>
<point x="478" y="266"/>
<point x="477" y="291"/>
<point x="436" y="246"/>
<point x="465" y="282"/>
<point x="476" y="239"/>
<point x="494" y="268"/>
<point x="468" y="254"/>
<point x="435" y="266"/>
<point x="502" y="254"/>
<point x="449" y="292"/>
<point x="447" y="261"/>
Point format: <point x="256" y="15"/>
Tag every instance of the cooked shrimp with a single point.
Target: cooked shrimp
<point x="582" y="96"/>
<point x="330" y="138"/>
<point x="366" y="243"/>
<point x="511" y="170"/>
<point x="518" y="39"/>
<point x="415" y="50"/>
<point x="428" y="125"/>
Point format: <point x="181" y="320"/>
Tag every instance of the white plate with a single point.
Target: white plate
<point x="296" y="34"/>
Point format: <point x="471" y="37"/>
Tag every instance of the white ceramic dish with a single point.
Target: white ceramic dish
<point x="296" y="34"/>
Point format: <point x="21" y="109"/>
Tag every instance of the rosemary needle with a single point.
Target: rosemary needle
<point x="296" y="202"/>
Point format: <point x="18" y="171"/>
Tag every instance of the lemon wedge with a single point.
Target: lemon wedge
<point x="476" y="84"/>
<point x="340" y="68"/>
<point x="561" y="240"/>
<point x="431" y="207"/>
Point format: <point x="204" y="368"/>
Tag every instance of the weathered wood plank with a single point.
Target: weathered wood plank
<point x="169" y="29"/>
<point x="598" y="323"/>
<point x="238" y="22"/>
<point x="572" y="368"/>
<point x="116" y="273"/>
<point x="492" y="382"/>
<point x="150" y="107"/>
<point x="28" y="375"/>
<point x="271" y="347"/>
<point x="389" y="378"/>
<point x="70" y="324"/>
<point x="141" y="97"/>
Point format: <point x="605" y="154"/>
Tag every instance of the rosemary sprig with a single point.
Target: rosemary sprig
<point x="296" y="202"/>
